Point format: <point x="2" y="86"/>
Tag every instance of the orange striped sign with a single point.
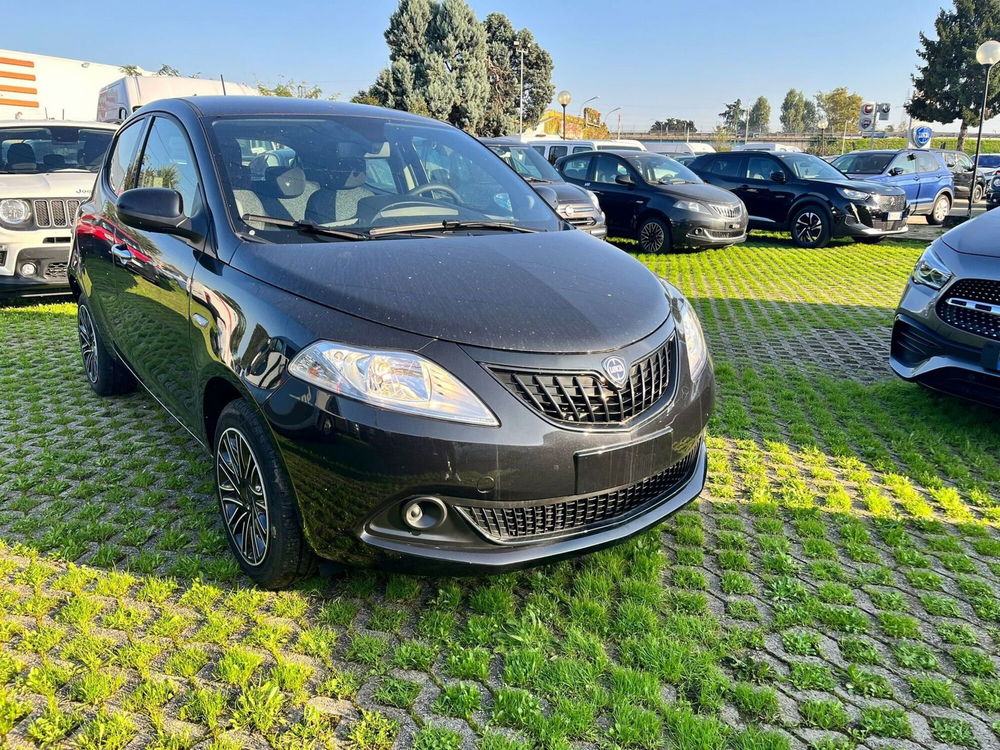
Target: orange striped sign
<point x="17" y="103"/>
<point x="18" y="76"/>
<point x="16" y="61"/>
<point x="18" y="89"/>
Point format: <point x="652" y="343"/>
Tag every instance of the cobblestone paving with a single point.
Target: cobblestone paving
<point x="836" y="587"/>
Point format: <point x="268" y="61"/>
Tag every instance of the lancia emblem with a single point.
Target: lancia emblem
<point x="616" y="370"/>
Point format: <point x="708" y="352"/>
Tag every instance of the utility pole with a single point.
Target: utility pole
<point x="520" y="117"/>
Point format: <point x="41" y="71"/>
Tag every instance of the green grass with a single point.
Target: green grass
<point x="849" y="518"/>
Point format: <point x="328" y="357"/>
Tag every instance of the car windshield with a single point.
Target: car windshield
<point x="361" y="173"/>
<point x="526" y="162"/>
<point x="662" y="169"/>
<point x="52" y="148"/>
<point x="809" y="167"/>
<point x="864" y="162"/>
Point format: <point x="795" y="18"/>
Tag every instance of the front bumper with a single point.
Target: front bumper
<point x="354" y="469"/>
<point x="867" y="220"/>
<point x="695" y="230"/>
<point x="49" y="278"/>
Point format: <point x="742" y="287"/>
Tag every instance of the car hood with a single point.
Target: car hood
<point x="546" y="292"/>
<point x="565" y="192"/>
<point x="976" y="237"/>
<point x="698" y="191"/>
<point x="863" y="182"/>
<point x="52" y="185"/>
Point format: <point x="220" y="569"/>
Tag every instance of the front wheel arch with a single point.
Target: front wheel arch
<point x="809" y="200"/>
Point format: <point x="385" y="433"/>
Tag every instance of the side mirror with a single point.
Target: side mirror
<point x="624" y="179"/>
<point x="548" y="195"/>
<point x="895" y="171"/>
<point x="155" y="210"/>
<point x="778" y="176"/>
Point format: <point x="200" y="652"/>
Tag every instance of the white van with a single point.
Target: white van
<point x="118" y="100"/>
<point x="784" y="147"/>
<point x="557" y="148"/>
<point x="678" y="147"/>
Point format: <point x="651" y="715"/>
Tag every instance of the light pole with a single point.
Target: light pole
<point x="822" y="124"/>
<point x="520" y="92"/>
<point x="564" y="99"/>
<point x="619" y="111"/>
<point x="988" y="54"/>
<point x="843" y="141"/>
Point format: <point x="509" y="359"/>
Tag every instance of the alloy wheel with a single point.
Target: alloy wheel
<point x="242" y="496"/>
<point x="809" y="227"/>
<point x="88" y="342"/>
<point x="651" y="237"/>
<point x="941" y="210"/>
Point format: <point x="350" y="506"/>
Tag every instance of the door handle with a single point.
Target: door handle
<point x="122" y="253"/>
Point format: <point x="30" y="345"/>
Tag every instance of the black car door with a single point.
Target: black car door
<point x="152" y="270"/>
<point x="620" y="202"/>
<point x="768" y="200"/>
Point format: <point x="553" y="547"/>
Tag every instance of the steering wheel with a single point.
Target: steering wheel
<point x="421" y="189"/>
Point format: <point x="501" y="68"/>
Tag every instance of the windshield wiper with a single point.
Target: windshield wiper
<point x="307" y="227"/>
<point x="449" y="226"/>
<point x="532" y="178"/>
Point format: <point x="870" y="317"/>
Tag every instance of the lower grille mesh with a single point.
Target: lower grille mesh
<point x="967" y="318"/>
<point x="510" y="524"/>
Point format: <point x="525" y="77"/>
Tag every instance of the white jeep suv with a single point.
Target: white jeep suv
<point x="47" y="168"/>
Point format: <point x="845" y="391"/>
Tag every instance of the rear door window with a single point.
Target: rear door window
<point x="725" y="167"/>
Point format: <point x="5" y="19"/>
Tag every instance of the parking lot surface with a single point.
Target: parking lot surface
<point x="835" y="587"/>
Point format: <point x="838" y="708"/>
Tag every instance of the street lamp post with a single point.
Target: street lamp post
<point x="520" y="92"/>
<point x="988" y="54"/>
<point x="564" y="99"/>
<point x="619" y="111"/>
<point x="822" y="124"/>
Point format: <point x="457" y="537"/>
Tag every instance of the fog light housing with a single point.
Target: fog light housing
<point x="28" y="269"/>
<point x="424" y="513"/>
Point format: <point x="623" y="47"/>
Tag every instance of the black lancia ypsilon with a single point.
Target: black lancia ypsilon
<point x="396" y="351"/>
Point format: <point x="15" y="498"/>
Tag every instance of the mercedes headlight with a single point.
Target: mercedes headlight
<point x="854" y="195"/>
<point x="930" y="271"/>
<point x="14" y="211"/>
<point x="399" y="381"/>
<point x="692" y="206"/>
<point x="694" y="337"/>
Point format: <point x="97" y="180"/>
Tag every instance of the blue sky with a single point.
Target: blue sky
<point x="653" y="59"/>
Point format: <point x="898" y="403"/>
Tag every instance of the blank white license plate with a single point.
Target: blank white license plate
<point x="894" y="216"/>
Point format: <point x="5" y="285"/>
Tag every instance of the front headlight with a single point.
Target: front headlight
<point x="593" y="198"/>
<point x="692" y="206"/>
<point x="694" y="337"/>
<point x="14" y="211"/>
<point x="930" y="271"/>
<point x="400" y="381"/>
<point x="854" y="195"/>
<point x="996" y="182"/>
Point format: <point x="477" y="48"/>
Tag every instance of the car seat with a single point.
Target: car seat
<point x="21" y="158"/>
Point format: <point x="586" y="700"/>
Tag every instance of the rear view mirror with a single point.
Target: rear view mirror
<point x="624" y="179"/>
<point x="778" y="176"/>
<point x="155" y="210"/>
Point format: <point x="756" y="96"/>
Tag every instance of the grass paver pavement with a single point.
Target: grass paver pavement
<point x="835" y="587"/>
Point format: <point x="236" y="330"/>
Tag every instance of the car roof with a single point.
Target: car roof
<point x="55" y="123"/>
<point x="218" y="106"/>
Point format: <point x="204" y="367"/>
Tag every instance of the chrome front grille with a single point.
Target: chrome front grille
<point x="972" y="305"/>
<point x="527" y="522"/>
<point x="729" y="211"/>
<point x="588" y="397"/>
<point x="57" y="212"/>
<point x="891" y="202"/>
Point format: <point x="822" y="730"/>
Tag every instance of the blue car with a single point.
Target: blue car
<point x="928" y="183"/>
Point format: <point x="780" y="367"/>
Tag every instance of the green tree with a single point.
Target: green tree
<point x="798" y="114"/>
<point x="949" y="83"/>
<point x="437" y="62"/>
<point x="734" y="117"/>
<point x="839" y="106"/>
<point x="673" y="124"/>
<point x="291" y="87"/>
<point x="760" y="116"/>
<point x="503" y="71"/>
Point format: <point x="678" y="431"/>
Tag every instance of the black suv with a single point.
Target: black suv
<point x="657" y="201"/>
<point x="961" y="167"/>
<point x="804" y="195"/>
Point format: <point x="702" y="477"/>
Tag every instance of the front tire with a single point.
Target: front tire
<point x="258" y="506"/>
<point x="105" y="374"/>
<point x="654" y="236"/>
<point x="940" y="210"/>
<point x="977" y="193"/>
<point x="810" y="227"/>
